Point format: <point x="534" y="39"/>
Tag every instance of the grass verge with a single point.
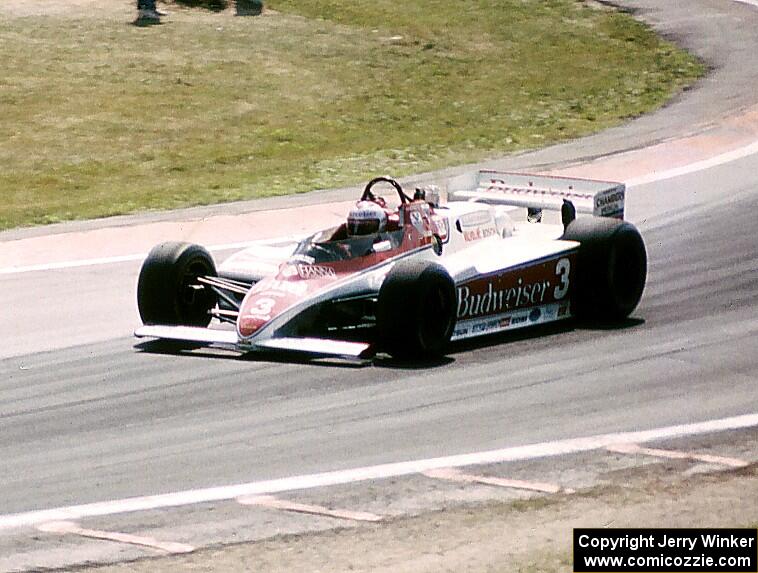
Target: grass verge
<point x="100" y="118"/>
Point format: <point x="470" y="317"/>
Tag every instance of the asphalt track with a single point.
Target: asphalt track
<point x="109" y="420"/>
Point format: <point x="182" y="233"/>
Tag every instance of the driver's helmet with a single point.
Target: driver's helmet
<point x="366" y="218"/>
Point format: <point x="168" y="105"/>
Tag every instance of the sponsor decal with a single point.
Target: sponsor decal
<point x="364" y="213"/>
<point x="461" y="331"/>
<point x="494" y="300"/>
<point x="491" y="325"/>
<point x="479" y="233"/>
<point x="418" y="215"/>
<point x="503" y="187"/>
<point x="509" y="321"/>
<point x="476" y="226"/>
<point x="519" y="319"/>
<point x="475" y="219"/>
<point x="550" y="312"/>
<point x="479" y="328"/>
<point x="315" y="271"/>
<point x="612" y="199"/>
<point x="610" y="204"/>
<point x="442" y="228"/>
<point x="511" y="290"/>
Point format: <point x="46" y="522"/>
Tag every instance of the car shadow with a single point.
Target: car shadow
<point x="386" y="361"/>
<point x="283" y="357"/>
<point x="182" y="348"/>
<point x="621" y="325"/>
<point x="381" y="360"/>
<point x="540" y="331"/>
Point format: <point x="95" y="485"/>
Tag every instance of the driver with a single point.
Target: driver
<point x="366" y="218"/>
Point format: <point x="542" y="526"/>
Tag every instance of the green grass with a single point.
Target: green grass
<point x="99" y="118"/>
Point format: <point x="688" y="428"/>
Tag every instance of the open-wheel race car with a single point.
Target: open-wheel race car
<point x="410" y="278"/>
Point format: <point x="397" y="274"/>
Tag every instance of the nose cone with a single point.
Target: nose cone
<point x="272" y="296"/>
<point x="249" y="325"/>
<point x="267" y="300"/>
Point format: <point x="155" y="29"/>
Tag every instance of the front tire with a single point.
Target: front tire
<point x="611" y="268"/>
<point x="168" y="291"/>
<point x="416" y="310"/>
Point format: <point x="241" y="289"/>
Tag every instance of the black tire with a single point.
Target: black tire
<point x="416" y="311"/>
<point x="168" y="291"/>
<point x="611" y="268"/>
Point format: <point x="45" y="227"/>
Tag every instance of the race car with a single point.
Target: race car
<point x="410" y="278"/>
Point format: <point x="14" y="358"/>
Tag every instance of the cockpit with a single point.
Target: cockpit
<point x="371" y="228"/>
<point x="374" y="230"/>
<point x="335" y="245"/>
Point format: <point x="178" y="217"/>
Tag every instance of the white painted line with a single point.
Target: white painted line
<point x="113" y="260"/>
<point x="229" y="492"/>
<point x="715" y="161"/>
<point x="69" y="527"/>
<point x="272" y="502"/>
<point x="676" y="455"/>
<point x="451" y="474"/>
<point x="750" y="2"/>
<point x="71" y="264"/>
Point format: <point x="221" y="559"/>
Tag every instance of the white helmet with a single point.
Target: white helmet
<point x="366" y="218"/>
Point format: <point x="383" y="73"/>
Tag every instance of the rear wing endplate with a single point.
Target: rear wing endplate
<point x="599" y="198"/>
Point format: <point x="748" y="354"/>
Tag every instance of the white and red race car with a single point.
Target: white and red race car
<point x="409" y="280"/>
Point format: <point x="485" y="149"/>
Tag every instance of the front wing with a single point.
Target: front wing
<point x="229" y="339"/>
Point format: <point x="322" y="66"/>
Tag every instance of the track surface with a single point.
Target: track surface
<point x="106" y="420"/>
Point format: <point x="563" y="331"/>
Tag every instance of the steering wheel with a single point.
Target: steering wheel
<point x="368" y="195"/>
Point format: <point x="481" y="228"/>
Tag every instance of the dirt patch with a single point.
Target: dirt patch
<point x="532" y="535"/>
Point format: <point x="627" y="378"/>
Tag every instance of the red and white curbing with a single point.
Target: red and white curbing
<point x="633" y="449"/>
<point x="271" y="502"/>
<point x="452" y="474"/>
<point x="71" y="528"/>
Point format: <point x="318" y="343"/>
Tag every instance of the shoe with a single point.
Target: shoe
<point x="145" y="14"/>
<point x="147" y="18"/>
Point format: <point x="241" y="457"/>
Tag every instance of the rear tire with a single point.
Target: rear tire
<point x="416" y="310"/>
<point x="611" y="268"/>
<point x="168" y="291"/>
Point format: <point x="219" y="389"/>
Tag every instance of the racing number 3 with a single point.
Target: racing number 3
<point x="562" y="269"/>
<point x="262" y="308"/>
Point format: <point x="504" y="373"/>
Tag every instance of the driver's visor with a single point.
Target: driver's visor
<point x="362" y="226"/>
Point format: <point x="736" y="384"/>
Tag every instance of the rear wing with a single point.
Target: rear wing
<point x="599" y="198"/>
